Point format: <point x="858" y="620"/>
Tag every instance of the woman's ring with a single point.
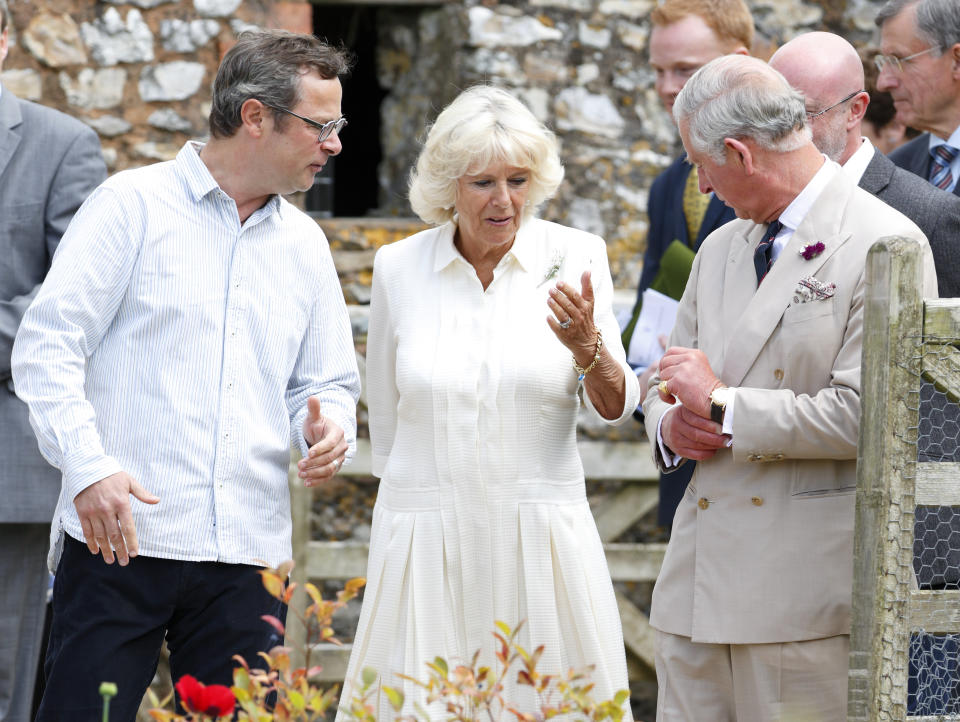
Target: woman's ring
<point x="566" y="324"/>
<point x="662" y="388"/>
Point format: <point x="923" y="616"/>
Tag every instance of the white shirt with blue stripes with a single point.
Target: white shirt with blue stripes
<point x="172" y="342"/>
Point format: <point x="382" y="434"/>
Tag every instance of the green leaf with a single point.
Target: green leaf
<point x="620" y="697"/>
<point x="503" y="627"/>
<point x="395" y="696"/>
<point x="369" y="676"/>
<point x="441" y="664"/>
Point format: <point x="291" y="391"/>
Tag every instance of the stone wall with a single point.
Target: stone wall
<point x="139" y="72"/>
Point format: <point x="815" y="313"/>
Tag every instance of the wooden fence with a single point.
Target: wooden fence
<point x="908" y="341"/>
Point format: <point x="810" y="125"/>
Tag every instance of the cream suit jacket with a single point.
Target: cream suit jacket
<point x="762" y="543"/>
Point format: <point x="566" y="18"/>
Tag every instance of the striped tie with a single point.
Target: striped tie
<point x="762" y="257"/>
<point x="940" y="174"/>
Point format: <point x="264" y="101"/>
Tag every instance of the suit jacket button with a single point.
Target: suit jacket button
<point x="753" y="457"/>
<point x="778" y="457"/>
<point x="757" y="500"/>
<point x="778" y="374"/>
<point x="703" y="503"/>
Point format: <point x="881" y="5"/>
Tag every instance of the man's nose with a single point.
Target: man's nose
<point x="331" y="145"/>
<point x="887" y="79"/>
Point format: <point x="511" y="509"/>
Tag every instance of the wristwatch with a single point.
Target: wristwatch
<point x="718" y="403"/>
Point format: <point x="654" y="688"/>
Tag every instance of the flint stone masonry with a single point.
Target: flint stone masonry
<point x="140" y="71"/>
<point x="180" y="36"/>
<point x="94" y="88"/>
<point x="55" y="40"/>
<point x="168" y="119"/>
<point x="171" y="81"/>
<point x="490" y="29"/>
<point x="145" y="4"/>
<point x="26" y="84"/>
<point x="113" y="40"/>
<point x="216" y="8"/>
<point x="109" y="126"/>
<point x="578" y="109"/>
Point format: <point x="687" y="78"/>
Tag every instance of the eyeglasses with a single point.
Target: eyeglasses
<point x="811" y="116"/>
<point x="325" y="129"/>
<point x="882" y="61"/>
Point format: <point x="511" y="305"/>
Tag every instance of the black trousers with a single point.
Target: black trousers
<point x="109" y="623"/>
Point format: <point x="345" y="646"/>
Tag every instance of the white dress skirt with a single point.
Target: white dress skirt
<point x="481" y="514"/>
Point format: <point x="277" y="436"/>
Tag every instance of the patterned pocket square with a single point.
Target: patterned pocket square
<point x="810" y="289"/>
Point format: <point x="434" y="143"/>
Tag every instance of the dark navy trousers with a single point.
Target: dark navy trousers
<point x="109" y="623"/>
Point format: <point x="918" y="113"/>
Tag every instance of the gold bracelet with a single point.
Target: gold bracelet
<point x="584" y="371"/>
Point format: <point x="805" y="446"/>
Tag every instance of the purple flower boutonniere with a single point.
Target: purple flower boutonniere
<point x="812" y="250"/>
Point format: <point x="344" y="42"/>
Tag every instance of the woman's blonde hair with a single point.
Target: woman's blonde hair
<point x="483" y="125"/>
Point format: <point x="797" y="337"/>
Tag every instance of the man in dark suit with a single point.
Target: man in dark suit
<point x="919" y="66"/>
<point x="827" y="69"/>
<point x="686" y="35"/>
<point x="49" y="162"/>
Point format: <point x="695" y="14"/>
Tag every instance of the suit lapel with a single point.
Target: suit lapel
<point x="710" y="218"/>
<point x="9" y="118"/>
<point x="754" y="316"/>
<point x="876" y="176"/>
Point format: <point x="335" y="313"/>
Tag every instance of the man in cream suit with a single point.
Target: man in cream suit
<point x="761" y="385"/>
<point x="49" y="163"/>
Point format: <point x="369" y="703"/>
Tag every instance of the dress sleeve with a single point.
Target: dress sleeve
<point x="382" y="393"/>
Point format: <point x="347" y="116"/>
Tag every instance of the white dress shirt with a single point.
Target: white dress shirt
<point x="172" y="342"/>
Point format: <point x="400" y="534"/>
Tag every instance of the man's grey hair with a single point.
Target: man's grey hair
<point x="938" y="21"/>
<point x="736" y="96"/>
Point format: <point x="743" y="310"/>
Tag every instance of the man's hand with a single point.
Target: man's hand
<point x="327" y="446"/>
<point x="691" y="436"/>
<point x="105" y="517"/>
<point x="686" y="374"/>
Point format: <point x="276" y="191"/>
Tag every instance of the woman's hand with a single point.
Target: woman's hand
<point x="572" y="319"/>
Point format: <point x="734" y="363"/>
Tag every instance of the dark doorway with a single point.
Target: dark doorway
<point x="348" y="185"/>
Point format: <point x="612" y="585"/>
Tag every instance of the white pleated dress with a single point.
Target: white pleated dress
<point x="481" y="513"/>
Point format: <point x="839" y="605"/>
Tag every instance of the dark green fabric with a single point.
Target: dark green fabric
<point x="671" y="280"/>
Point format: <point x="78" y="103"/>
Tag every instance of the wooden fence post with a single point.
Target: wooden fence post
<point x="886" y="469"/>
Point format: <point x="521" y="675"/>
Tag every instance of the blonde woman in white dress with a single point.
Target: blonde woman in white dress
<point x="482" y="332"/>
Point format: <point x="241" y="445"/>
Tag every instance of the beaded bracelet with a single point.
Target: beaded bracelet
<point x="584" y="371"/>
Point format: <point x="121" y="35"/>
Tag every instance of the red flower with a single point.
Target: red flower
<point x="215" y="700"/>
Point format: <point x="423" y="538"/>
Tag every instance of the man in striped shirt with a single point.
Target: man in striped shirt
<point x="190" y="329"/>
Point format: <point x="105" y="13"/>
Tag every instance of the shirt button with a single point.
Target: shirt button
<point x="778" y="374"/>
<point x="754" y="457"/>
<point x="757" y="500"/>
<point x="778" y="457"/>
<point x="704" y="502"/>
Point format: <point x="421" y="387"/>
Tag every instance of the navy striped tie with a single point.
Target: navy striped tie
<point x="763" y="256"/>
<point x="940" y="174"/>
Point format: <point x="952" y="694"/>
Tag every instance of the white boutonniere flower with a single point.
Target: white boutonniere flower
<point x="556" y="263"/>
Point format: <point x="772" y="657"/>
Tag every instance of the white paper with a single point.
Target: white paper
<point x="657" y="316"/>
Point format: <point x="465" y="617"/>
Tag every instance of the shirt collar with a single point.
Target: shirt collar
<point x="201" y="182"/>
<point x="857" y="163"/>
<point x="794" y="213"/>
<point x="523" y="250"/>
<point x="953" y="140"/>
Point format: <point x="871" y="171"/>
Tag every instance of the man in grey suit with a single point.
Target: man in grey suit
<point x="49" y="163"/>
<point x="752" y="604"/>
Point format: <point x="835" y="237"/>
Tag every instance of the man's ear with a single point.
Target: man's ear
<point x="739" y="152"/>
<point x="3" y="46"/>
<point x="858" y="108"/>
<point x="252" y="115"/>
<point x="954" y="52"/>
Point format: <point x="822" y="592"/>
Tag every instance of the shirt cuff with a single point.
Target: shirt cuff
<point x="670" y="459"/>
<point x="728" y="417"/>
